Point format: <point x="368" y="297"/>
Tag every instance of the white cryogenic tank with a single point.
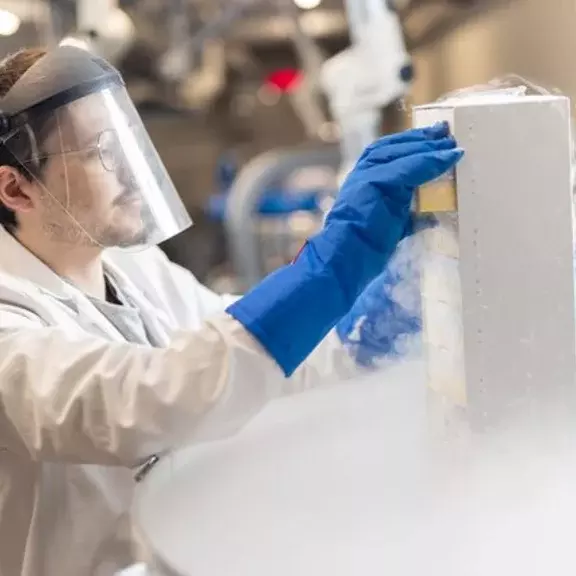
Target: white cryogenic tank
<point x="345" y="482"/>
<point x="309" y="487"/>
<point x="498" y="278"/>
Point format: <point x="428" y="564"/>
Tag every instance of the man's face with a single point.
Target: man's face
<point x="88" y="189"/>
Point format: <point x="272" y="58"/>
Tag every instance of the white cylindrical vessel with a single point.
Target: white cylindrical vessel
<point x="309" y="488"/>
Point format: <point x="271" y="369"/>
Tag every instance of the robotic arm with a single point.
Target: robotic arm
<point x="103" y="28"/>
<point x="373" y="73"/>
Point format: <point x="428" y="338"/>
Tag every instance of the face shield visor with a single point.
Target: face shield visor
<point x="83" y="148"/>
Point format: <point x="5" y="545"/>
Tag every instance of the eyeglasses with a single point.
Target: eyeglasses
<point x="108" y="147"/>
<point x="110" y="150"/>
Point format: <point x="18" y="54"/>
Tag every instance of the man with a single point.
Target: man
<point x="110" y="358"/>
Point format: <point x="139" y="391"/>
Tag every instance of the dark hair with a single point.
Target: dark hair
<point x="12" y="68"/>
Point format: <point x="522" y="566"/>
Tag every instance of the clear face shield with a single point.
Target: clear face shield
<point x="96" y="175"/>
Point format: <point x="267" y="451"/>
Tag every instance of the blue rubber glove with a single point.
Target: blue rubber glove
<point x="294" y="308"/>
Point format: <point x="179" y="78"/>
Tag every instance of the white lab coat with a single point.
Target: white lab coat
<point x="80" y="407"/>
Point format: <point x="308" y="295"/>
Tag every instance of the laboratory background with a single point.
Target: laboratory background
<point x="238" y="95"/>
<point x="259" y="110"/>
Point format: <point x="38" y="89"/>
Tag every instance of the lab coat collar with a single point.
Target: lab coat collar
<point x="16" y="260"/>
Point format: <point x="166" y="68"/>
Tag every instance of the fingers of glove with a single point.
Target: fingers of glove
<point x="439" y="130"/>
<point x="387" y="154"/>
<point x="416" y="170"/>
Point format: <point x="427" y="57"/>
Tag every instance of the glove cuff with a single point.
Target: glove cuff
<point x="291" y="311"/>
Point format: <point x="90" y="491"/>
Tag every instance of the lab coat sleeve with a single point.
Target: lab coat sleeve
<point x="82" y="399"/>
<point x="330" y="361"/>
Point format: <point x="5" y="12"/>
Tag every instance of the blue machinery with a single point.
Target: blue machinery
<point x="264" y="221"/>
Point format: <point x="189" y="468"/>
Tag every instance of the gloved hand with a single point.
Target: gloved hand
<point x="385" y="314"/>
<point x="294" y="308"/>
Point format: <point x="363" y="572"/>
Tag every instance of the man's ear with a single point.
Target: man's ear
<point x="15" y="190"/>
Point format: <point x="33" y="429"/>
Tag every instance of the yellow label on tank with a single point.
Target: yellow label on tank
<point x="439" y="196"/>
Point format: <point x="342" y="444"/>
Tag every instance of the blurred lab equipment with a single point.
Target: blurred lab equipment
<point x="103" y="28"/>
<point x="374" y="72"/>
<point x="269" y="209"/>
<point x="356" y="94"/>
